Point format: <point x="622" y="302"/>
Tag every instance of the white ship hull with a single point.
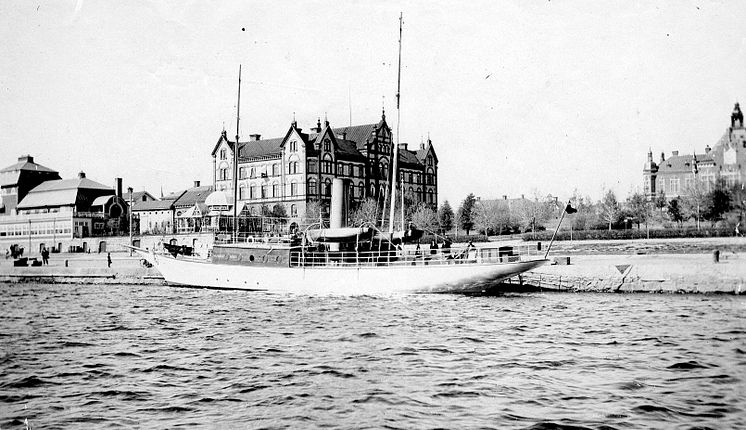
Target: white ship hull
<point x="342" y="280"/>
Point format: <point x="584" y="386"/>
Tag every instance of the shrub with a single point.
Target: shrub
<point x="632" y="234"/>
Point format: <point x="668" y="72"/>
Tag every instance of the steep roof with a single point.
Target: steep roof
<point x="11" y="175"/>
<point x="683" y="163"/>
<point x="193" y="195"/>
<point x="260" y="148"/>
<point x="347" y="150"/>
<point x="409" y="159"/>
<point x="360" y="134"/>
<point x="137" y="196"/>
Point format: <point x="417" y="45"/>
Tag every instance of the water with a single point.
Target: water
<point x="157" y="357"/>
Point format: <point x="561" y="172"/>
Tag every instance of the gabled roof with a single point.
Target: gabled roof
<point x="137" y="196"/>
<point x="409" y="159"/>
<point x="260" y="148"/>
<point x="360" y="134"/>
<point x="683" y="163"/>
<point x="152" y="205"/>
<point x="347" y="150"/>
<point x="422" y="153"/>
<point x="193" y="195"/>
<point x="102" y="200"/>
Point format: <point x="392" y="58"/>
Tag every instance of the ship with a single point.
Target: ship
<point x="334" y="258"/>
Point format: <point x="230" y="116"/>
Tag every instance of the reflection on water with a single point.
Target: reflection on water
<point x="112" y="356"/>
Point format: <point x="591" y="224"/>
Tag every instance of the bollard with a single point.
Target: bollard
<point x="65" y="263"/>
<point x="715" y="256"/>
<point x="538" y="246"/>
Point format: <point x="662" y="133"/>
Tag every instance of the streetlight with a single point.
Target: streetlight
<point x="129" y="190"/>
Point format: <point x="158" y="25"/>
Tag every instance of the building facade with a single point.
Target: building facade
<point x="676" y="175"/>
<point x="284" y="174"/>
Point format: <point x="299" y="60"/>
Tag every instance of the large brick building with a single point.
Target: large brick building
<point x="675" y="176"/>
<point x="299" y="167"/>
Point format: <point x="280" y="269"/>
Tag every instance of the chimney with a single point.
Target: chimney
<point x="118" y="186"/>
<point x="403" y="146"/>
<point x="663" y="158"/>
<point x="26" y="158"/>
<point x="707" y="149"/>
<point x="196" y="184"/>
<point x="318" y="126"/>
<point x="674" y="153"/>
<point x="523" y="196"/>
<point x="81" y="174"/>
<point x="255" y="137"/>
<point x="505" y="197"/>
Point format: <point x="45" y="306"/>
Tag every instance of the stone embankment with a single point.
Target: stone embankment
<point x="715" y="265"/>
<point x="66" y="268"/>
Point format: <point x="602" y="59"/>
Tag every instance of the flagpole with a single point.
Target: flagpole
<point x="568" y="209"/>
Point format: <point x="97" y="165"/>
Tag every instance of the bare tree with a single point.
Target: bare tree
<point x="366" y="213"/>
<point x="491" y="215"/>
<point x="424" y="217"/>
<point x="609" y="207"/>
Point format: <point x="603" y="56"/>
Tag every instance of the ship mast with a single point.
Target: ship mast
<point x="394" y="166"/>
<point x="235" y="162"/>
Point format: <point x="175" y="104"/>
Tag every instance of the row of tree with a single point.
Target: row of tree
<point x="495" y="217"/>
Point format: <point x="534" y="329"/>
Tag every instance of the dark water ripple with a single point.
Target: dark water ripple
<point x="136" y="356"/>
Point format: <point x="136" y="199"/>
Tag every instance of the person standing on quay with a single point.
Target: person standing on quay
<point x="108" y="259"/>
<point x="45" y="256"/>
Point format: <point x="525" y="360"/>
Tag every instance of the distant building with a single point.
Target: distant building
<point x="40" y="205"/>
<point x="284" y="174"/>
<point x="675" y="175"/>
<point x="17" y="180"/>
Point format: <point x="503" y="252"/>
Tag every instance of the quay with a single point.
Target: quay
<point x="639" y="266"/>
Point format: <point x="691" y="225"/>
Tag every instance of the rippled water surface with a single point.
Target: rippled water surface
<point x="144" y="356"/>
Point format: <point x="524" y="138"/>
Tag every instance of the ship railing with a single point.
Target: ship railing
<point x="414" y="257"/>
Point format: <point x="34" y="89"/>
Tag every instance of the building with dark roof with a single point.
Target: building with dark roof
<point x="18" y="179"/>
<point x="283" y="174"/>
<point x="676" y="175"/>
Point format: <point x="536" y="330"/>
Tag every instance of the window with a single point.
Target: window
<point x="328" y="187"/>
<point x="264" y="191"/>
<point x="312" y="167"/>
<point x="242" y="173"/>
<point x="223" y="174"/>
<point x="293" y="146"/>
<point x="275" y="170"/>
<point x="223" y="154"/>
<point x="327" y="145"/>
<point x="312" y="187"/>
<point x="361" y="191"/>
<point x="293" y="210"/>
<point x="275" y="190"/>
<point x="252" y="173"/>
<point x="410" y="177"/>
<point x="673" y="185"/>
<point x="242" y="193"/>
<point x="293" y="188"/>
<point x="252" y="192"/>
<point x="429" y="160"/>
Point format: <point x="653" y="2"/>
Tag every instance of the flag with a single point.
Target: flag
<point x="569" y="209"/>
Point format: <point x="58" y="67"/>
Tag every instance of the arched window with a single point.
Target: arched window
<point x="242" y="193"/>
<point x="430" y="196"/>
<point x="327" y="145"/>
<point x="373" y="190"/>
<point x="361" y="187"/>
<point x="328" y="187"/>
<point x="275" y="170"/>
<point x="223" y="154"/>
<point x="294" y="210"/>
<point x="326" y="164"/>
<point x="264" y="191"/>
<point x="312" y="187"/>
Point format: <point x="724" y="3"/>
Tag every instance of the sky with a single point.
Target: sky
<point x="518" y="97"/>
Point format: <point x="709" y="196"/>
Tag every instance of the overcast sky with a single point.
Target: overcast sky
<point x="517" y="96"/>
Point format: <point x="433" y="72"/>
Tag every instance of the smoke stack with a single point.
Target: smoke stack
<point x="674" y="153"/>
<point x="118" y="186"/>
<point x="255" y="137"/>
<point x="196" y="184"/>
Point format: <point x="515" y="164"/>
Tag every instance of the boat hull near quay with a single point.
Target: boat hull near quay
<point x="343" y="280"/>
